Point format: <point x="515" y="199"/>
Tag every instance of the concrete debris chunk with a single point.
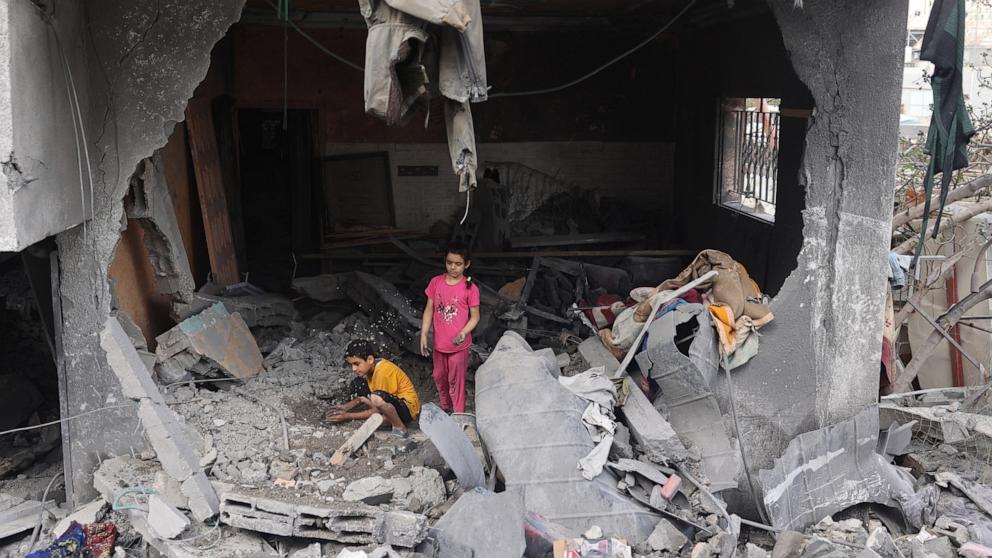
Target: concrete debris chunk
<point x="827" y="470"/>
<point x="323" y="288"/>
<point x="342" y="522"/>
<point x="215" y="335"/>
<point x="162" y="427"/>
<point x="170" y="490"/>
<point x="480" y="523"/>
<point x="311" y="551"/>
<point x="257" y="310"/>
<point x="514" y="388"/>
<point x="18" y="515"/>
<point x="371" y="490"/>
<point x="650" y="431"/>
<point x="453" y="445"/>
<point x="420" y="491"/>
<point x="880" y="541"/>
<point x="165" y="521"/>
<point x="754" y="551"/>
<point x="402" y="528"/>
<point x="895" y="440"/>
<point x="667" y="537"/>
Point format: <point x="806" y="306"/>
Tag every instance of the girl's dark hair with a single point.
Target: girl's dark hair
<point x="461" y="249"/>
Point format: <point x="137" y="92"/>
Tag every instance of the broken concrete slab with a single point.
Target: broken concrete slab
<point x="401" y="528"/>
<point x="149" y="201"/>
<point x="257" y="310"/>
<point x="880" y="542"/>
<point x="345" y="522"/>
<point x="165" y="521"/>
<point x="693" y="410"/>
<point x="453" y="445"/>
<point x="480" y="523"/>
<point x="895" y="440"/>
<point x="160" y="423"/>
<point x="596" y="354"/>
<point x="371" y="490"/>
<point x="650" y="431"/>
<point x="18" y="515"/>
<point x="827" y="470"/>
<point x="514" y="388"/>
<point x="356" y="440"/>
<point x="217" y="335"/>
<point x="667" y="537"/>
<point x="419" y="491"/>
<point x="328" y="287"/>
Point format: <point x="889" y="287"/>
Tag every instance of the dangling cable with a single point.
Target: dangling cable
<point x="468" y="203"/>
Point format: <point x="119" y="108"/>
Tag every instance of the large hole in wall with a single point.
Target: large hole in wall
<point x="29" y="394"/>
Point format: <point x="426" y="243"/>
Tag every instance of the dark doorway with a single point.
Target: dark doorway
<point x="277" y="194"/>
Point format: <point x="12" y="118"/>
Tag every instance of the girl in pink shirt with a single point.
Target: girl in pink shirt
<point x="453" y="308"/>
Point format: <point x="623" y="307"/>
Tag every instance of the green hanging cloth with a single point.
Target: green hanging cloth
<point x="950" y="126"/>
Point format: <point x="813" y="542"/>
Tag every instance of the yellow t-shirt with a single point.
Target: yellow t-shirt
<point x="392" y="379"/>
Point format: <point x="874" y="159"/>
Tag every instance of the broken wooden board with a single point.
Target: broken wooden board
<point x="356" y="440"/>
<point x="213" y="195"/>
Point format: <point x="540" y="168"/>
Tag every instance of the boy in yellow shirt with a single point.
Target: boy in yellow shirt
<point x="381" y="386"/>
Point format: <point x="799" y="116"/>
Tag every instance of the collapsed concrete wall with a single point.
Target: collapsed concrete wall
<point x="145" y="59"/>
<point x="819" y="359"/>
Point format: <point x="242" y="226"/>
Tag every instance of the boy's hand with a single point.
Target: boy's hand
<point x="423" y="345"/>
<point x="335" y="415"/>
<point x="459" y="339"/>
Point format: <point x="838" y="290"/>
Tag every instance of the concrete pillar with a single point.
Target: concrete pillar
<point x="819" y="359"/>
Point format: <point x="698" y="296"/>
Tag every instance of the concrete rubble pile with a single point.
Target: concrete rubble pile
<point x="571" y="451"/>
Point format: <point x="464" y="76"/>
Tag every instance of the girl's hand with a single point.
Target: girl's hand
<point x="423" y="345"/>
<point x="459" y="339"/>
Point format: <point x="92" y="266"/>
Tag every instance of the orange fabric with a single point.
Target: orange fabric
<point x="723" y="321"/>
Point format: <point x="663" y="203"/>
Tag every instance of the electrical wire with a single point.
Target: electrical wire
<point x="612" y="61"/>
<point x="41" y="513"/>
<point x="468" y="203"/>
<point x="135" y="490"/>
<point x="319" y="46"/>
<point x="740" y="445"/>
<point x="61" y="420"/>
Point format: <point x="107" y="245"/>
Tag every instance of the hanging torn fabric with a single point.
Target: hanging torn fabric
<point x="950" y="126"/>
<point x="461" y="142"/>
<point x="413" y="44"/>
<point x="395" y="73"/>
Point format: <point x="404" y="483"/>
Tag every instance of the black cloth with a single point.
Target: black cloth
<point x="401" y="409"/>
<point x="950" y="126"/>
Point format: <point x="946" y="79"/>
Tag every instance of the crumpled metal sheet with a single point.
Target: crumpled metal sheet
<point x="827" y="470"/>
<point x="532" y="426"/>
<point x="686" y="392"/>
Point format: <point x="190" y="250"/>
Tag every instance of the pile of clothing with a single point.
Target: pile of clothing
<point x="733" y="300"/>
<point x="94" y="539"/>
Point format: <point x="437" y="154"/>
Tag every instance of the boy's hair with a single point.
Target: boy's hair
<point x="461" y="249"/>
<point x="361" y="348"/>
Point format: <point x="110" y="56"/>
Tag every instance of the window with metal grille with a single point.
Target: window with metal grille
<point x="747" y="156"/>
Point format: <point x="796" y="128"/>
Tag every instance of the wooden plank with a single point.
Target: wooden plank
<point x="356" y="440"/>
<point x="213" y="196"/>
<point x="574" y="239"/>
